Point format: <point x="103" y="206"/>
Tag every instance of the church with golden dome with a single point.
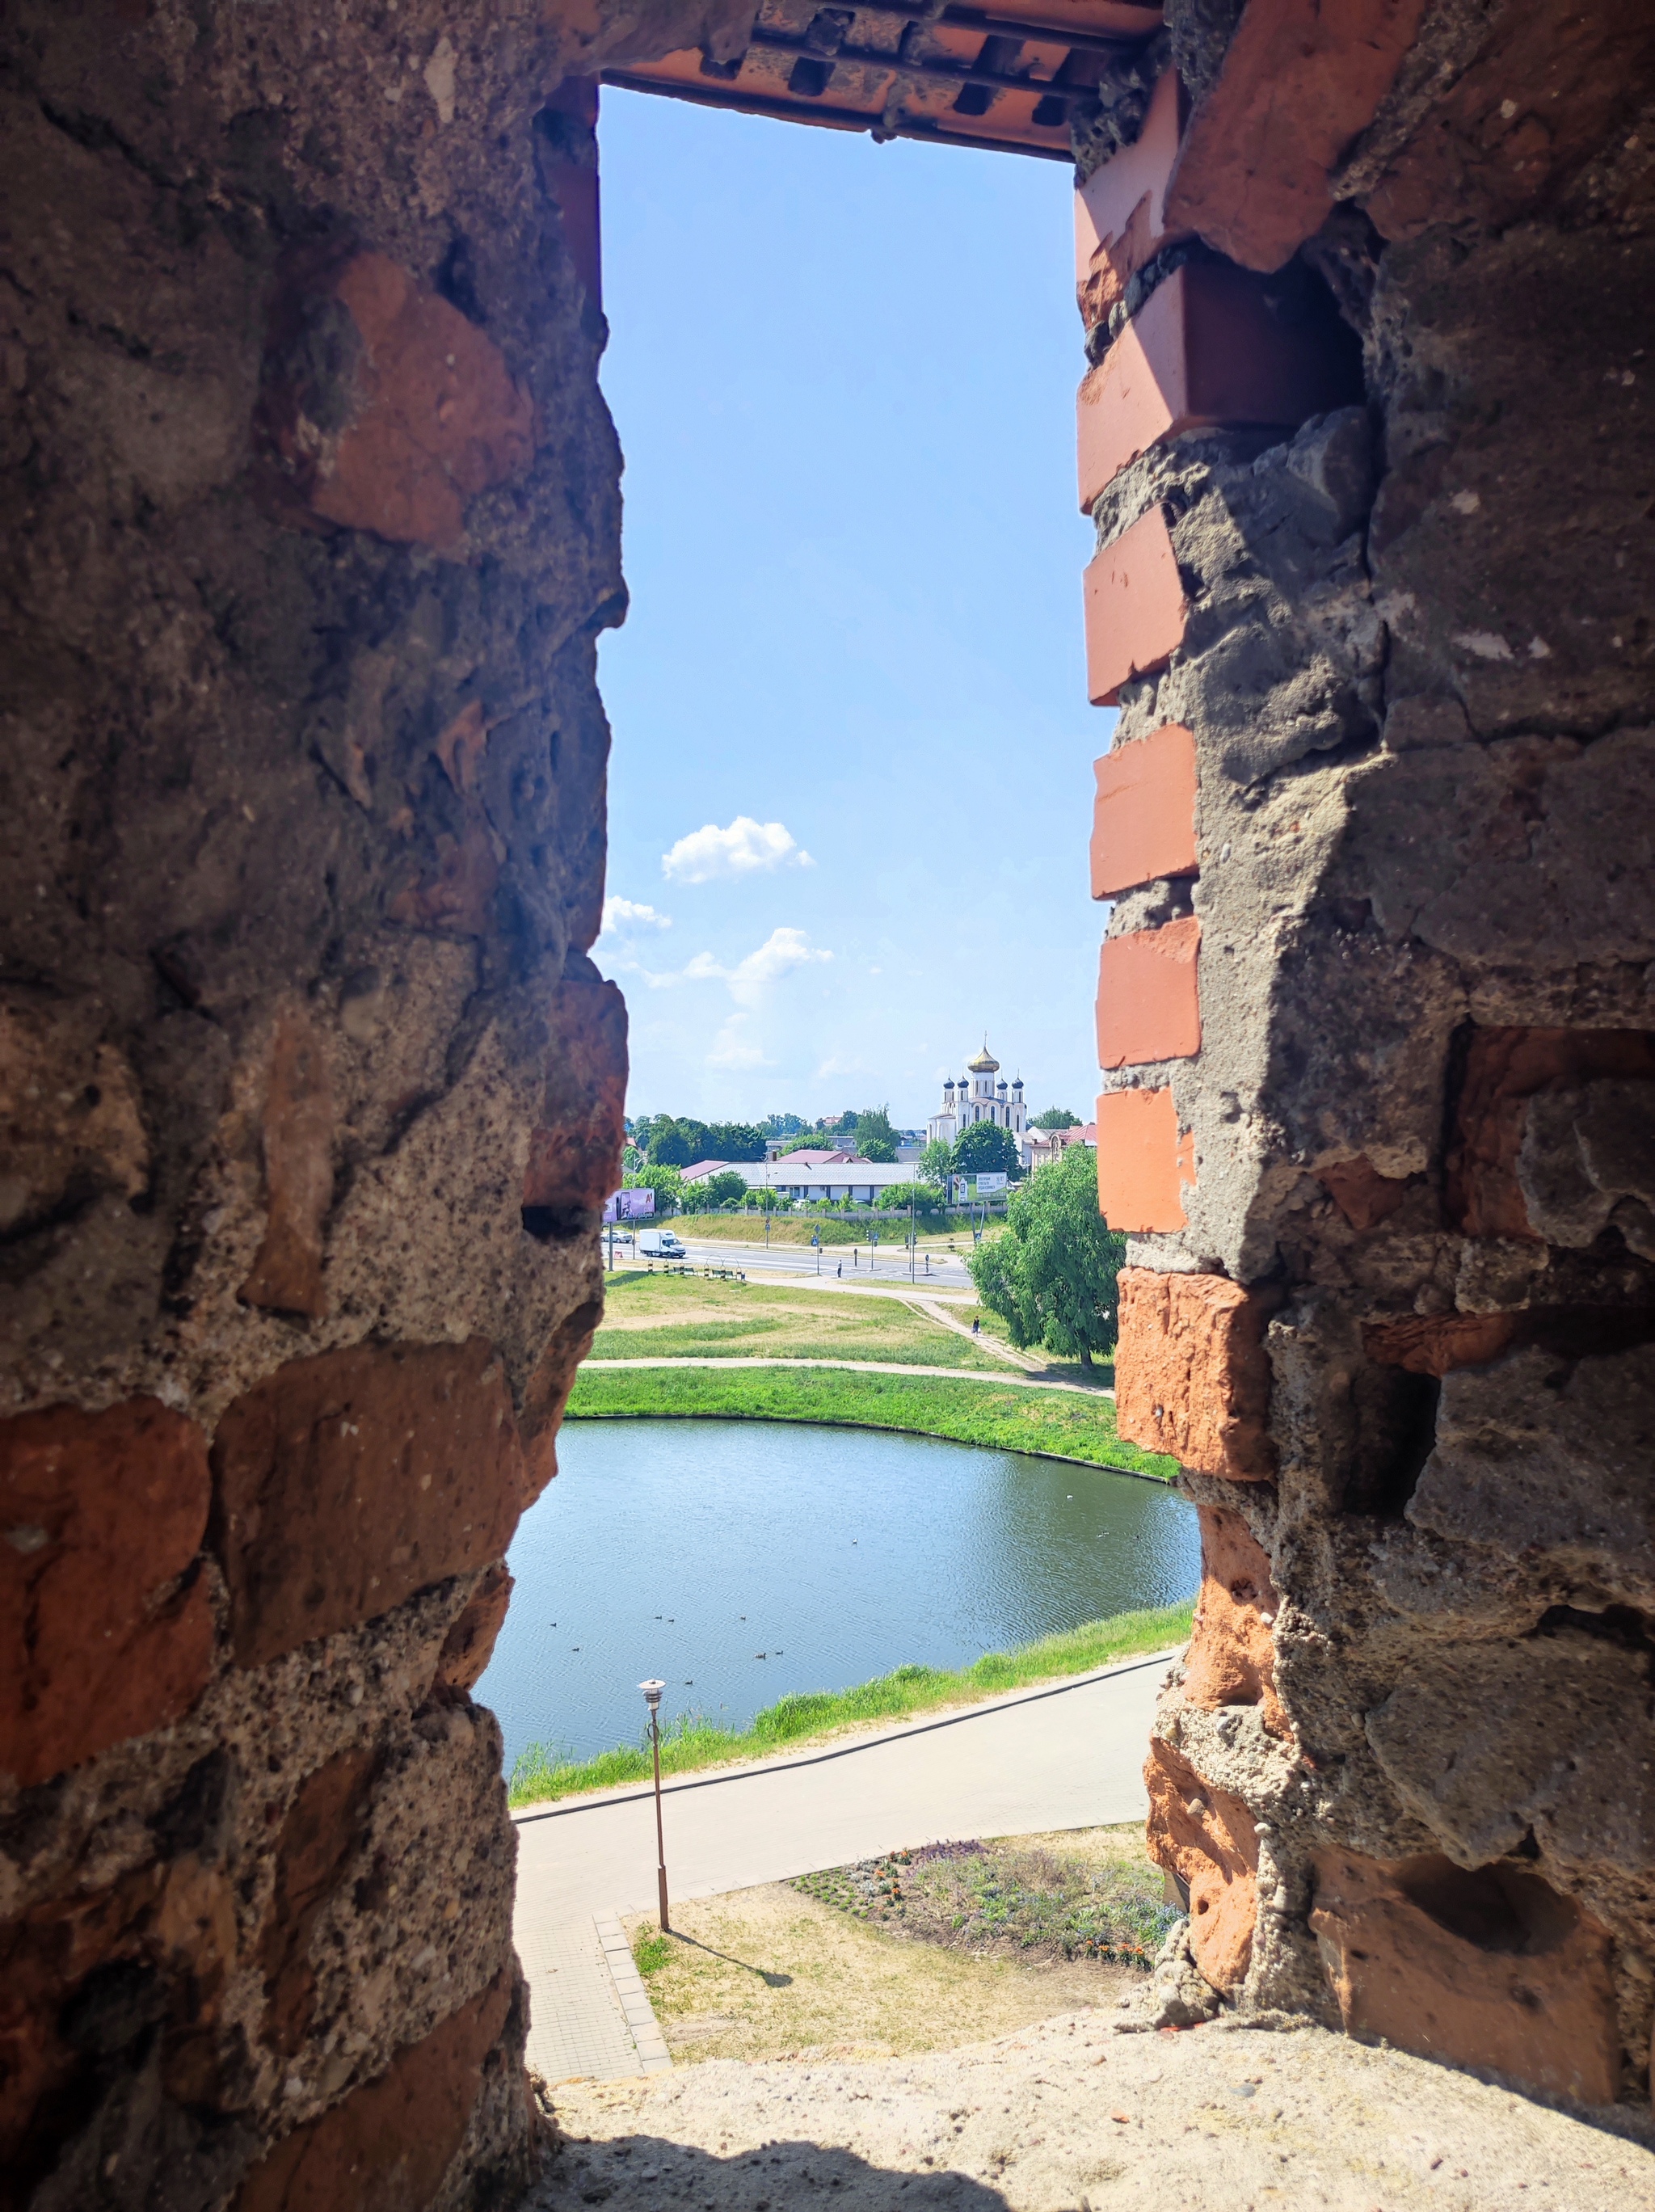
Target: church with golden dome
<point x="979" y="1096"/>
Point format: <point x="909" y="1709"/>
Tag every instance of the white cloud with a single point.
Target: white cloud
<point x="631" y="914"/>
<point x="734" y="1048"/>
<point x="782" y="951"/>
<point x="745" y="848"/>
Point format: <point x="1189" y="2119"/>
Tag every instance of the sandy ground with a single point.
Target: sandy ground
<point x="769" y="1972"/>
<point x="1074" y="2115"/>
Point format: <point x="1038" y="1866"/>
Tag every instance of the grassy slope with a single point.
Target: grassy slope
<point x="540" y="1775"/>
<point x="1014" y="1418"/>
<point x="670" y="1317"/>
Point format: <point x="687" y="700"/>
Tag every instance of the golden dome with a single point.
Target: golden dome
<point x="984" y="1063"/>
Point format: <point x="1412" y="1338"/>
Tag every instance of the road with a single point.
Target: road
<point x="887" y="1264"/>
<point x="1068" y="1755"/>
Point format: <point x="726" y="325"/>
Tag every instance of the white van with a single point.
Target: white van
<point x="659" y="1244"/>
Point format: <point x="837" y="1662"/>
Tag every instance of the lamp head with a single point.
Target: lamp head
<point x="651" y="1691"/>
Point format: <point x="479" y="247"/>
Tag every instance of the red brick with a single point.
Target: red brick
<point x="1206" y="348"/>
<point x="1231" y="1660"/>
<point x="106" y="1631"/>
<point x="298" y="1141"/>
<point x="1191" y="1377"/>
<point x="1300" y="82"/>
<point x="320" y="1838"/>
<point x="1362" y="1194"/>
<point x="1149" y="1008"/>
<point x="1143" y="816"/>
<point x="1207" y="1838"/>
<point x="1119" y="218"/>
<point x="436" y="417"/>
<point x="1488" y="1968"/>
<point x="386" y="2147"/>
<point x="1434" y="1344"/>
<point x="1135" y="608"/>
<point x="1144" y="1161"/>
<point x="1504" y="1069"/>
<point x="347" y="1482"/>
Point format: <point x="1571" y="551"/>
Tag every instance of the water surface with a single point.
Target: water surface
<point x="742" y="1560"/>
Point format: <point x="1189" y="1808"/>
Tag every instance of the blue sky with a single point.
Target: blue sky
<point x="851" y="789"/>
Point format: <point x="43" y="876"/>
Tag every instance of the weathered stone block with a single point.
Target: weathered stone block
<point x="1550" y="1458"/>
<point x="469" y="1644"/>
<point x="347" y="1482"/>
<point x="1231" y="1660"/>
<point x="386" y="2147"/>
<point x="1548" y="1734"/>
<point x="1143" y="1162"/>
<point x="1191" y="1377"/>
<point x="1488" y="1967"/>
<point x="106" y="1631"/>
<point x="298" y="1137"/>
<point x="1135" y="607"/>
<point x="1207" y="1838"/>
<point x="1148" y="1004"/>
<point x="386" y="410"/>
<point x="574" y="1153"/>
<point x="1504" y="1070"/>
<point x="71" y="1123"/>
<point x="1143" y="816"/>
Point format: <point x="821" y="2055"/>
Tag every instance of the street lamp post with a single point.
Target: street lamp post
<point x="651" y="1691"/>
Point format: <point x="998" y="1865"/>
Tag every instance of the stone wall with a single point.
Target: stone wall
<point x="1374" y="594"/>
<point x="310" y="1093"/>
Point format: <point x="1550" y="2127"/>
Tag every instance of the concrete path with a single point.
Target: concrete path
<point x="868" y="1367"/>
<point x="1067" y="1755"/>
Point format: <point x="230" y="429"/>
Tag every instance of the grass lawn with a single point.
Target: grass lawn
<point x="774" y="1972"/>
<point x="679" y="1316"/>
<point x="693" y="1742"/>
<point x="1014" y="1417"/>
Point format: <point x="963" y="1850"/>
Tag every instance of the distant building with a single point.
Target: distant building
<point x="1041" y="1145"/>
<point x="977" y="1097"/>
<point x="810" y="1174"/>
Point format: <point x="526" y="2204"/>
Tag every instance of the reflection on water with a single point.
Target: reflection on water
<point x="742" y="1560"/>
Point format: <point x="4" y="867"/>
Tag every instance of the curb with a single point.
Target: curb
<point x="653" y="2057"/>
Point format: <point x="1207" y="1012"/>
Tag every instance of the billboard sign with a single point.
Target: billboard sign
<point x="990" y="1185"/>
<point x="961" y="1190"/>
<point x="629" y="1206"/>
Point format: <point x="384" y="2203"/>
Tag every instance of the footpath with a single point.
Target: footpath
<point x="1064" y="1755"/>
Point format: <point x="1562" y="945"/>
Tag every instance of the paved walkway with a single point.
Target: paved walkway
<point x="871" y="1367"/>
<point x="1067" y="1755"/>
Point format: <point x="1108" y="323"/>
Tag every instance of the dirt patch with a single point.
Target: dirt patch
<point x="1090" y="1895"/>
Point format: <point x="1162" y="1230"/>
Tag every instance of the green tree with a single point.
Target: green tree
<point x="1051" y="1276"/>
<point x="937" y="1163"/>
<point x="875" y="1140"/>
<point x="985" y="1148"/>
<point x="665" y="1182"/>
<point x="925" y="1197"/>
<point x="733" y="1140"/>
<point x="725" y="1189"/>
<point x="1056" y="1117"/>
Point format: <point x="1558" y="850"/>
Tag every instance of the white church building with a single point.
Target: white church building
<point x="976" y="1097"/>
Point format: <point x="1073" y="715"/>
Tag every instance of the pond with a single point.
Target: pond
<point x="743" y="1560"/>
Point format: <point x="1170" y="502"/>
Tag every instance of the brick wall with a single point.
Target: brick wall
<point x="1370" y="595"/>
<point x="310" y="1094"/>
